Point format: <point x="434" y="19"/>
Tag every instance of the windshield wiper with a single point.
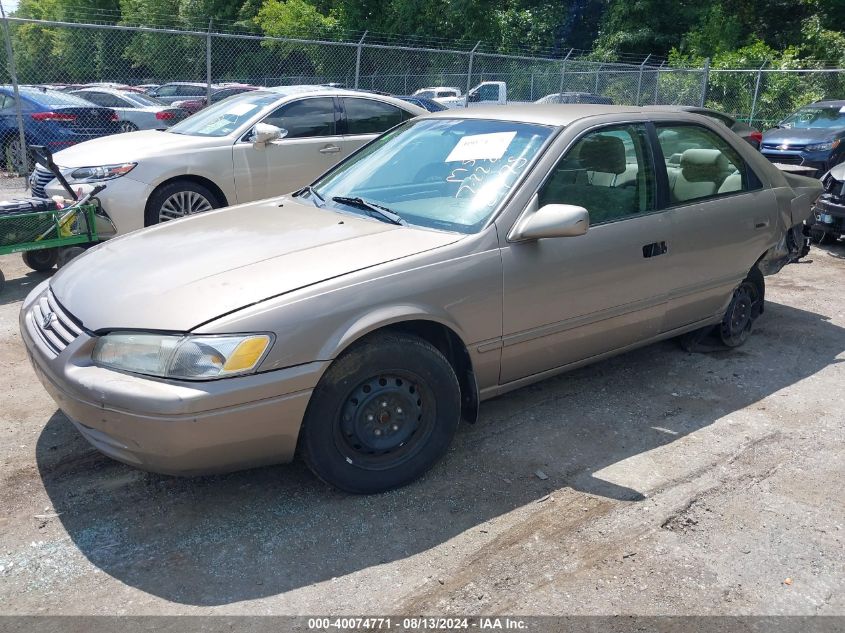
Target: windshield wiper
<point x="314" y="194"/>
<point x="372" y="208"/>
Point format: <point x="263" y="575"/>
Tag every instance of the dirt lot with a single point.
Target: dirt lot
<point x="677" y="484"/>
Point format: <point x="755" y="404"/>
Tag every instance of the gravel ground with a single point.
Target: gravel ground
<point x="677" y="484"/>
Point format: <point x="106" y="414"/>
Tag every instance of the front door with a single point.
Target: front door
<point x="310" y="147"/>
<point x="567" y="299"/>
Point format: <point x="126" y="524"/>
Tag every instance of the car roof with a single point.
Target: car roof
<point x="831" y="103"/>
<point x="540" y="113"/>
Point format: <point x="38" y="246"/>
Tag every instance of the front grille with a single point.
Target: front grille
<point x="54" y="325"/>
<point x="38" y="181"/>
<point x="787" y="159"/>
<point x="790" y="147"/>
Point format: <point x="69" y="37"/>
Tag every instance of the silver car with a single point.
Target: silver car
<point x="136" y="111"/>
<point x="459" y="256"/>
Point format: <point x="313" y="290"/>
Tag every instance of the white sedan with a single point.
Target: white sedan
<point x="248" y="147"/>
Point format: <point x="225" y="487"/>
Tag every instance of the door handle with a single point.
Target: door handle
<point x="654" y="249"/>
<point x="329" y="149"/>
<point x="761" y="224"/>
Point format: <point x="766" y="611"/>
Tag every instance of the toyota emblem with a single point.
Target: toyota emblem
<point x="48" y="320"/>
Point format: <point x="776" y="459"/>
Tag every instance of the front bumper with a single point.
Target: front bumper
<point x="815" y="160"/>
<point x="829" y="214"/>
<point x="173" y="427"/>
<point x="123" y="200"/>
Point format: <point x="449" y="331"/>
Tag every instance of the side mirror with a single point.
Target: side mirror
<point x="474" y="97"/>
<point x="552" y="220"/>
<point x="264" y="133"/>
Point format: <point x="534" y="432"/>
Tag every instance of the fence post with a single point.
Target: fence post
<point x="704" y="81"/>
<point x="358" y="58"/>
<point x="598" y="70"/>
<point x="208" y="65"/>
<point x="756" y="92"/>
<point x="563" y="68"/>
<point x="657" y="82"/>
<point x="640" y="80"/>
<point x="532" y="86"/>
<point x="14" y="76"/>
<point x="469" y="73"/>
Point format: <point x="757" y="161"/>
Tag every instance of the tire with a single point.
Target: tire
<point x="165" y="203"/>
<point x="127" y="126"/>
<point x="41" y="259"/>
<point x="10" y="156"/>
<point x="732" y="331"/>
<point x="382" y="415"/>
<point x="68" y="253"/>
<point x="745" y="306"/>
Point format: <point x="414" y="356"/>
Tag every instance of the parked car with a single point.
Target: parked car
<point x="147" y="88"/>
<point x="229" y="153"/>
<point x="180" y="91"/>
<point x="423" y="102"/>
<point x="751" y="135"/>
<point x="575" y="97"/>
<point x="812" y="137"/>
<point x="135" y="111"/>
<point x="195" y="105"/>
<point x="464" y="254"/>
<point x="50" y="118"/>
<point x="829" y="211"/>
<point x="438" y="92"/>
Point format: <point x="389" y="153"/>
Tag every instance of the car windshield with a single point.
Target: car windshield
<point x="816" y="117"/>
<point x="448" y="174"/>
<point x="227" y="116"/>
<point x="141" y="99"/>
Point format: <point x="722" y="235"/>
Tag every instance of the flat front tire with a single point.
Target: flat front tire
<point x="384" y="412"/>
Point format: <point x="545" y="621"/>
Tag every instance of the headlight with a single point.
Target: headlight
<point x="182" y="357"/>
<point x="103" y="172"/>
<point x="823" y="147"/>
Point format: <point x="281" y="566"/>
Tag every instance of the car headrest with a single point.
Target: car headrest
<point x="602" y="153"/>
<point x="703" y="165"/>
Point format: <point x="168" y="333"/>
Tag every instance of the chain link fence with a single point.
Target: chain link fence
<point x="66" y="54"/>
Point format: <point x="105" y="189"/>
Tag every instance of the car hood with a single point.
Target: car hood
<point x="181" y="274"/>
<point x="791" y="136"/>
<point x="838" y="172"/>
<point x="130" y="148"/>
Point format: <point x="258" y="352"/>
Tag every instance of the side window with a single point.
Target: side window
<point x="700" y="163"/>
<point x="367" y="116"/>
<point x="166" y="91"/>
<point x="6" y="102"/>
<point x="488" y="92"/>
<point x="189" y="91"/>
<point x="103" y="99"/>
<point x="306" y="118"/>
<point x="608" y="172"/>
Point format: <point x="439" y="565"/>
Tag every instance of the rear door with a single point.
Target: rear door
<point x="721" y="215"/>
<point x="311" y="146"/>
<point x="364" y="119"/>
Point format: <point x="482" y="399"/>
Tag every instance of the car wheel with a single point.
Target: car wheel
<point x="384" y="412"/>
<point x="41" y="259"/>
<point x="11" y="152"/>
<point x="177" y="200"/>
<point x="745" y="306"/>
<point x="128" y="126"/>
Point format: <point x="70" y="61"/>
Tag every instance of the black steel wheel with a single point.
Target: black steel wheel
<point x="745" y="306"/>
<point x="383" y="414"/>
<point x="41" y="259"/>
